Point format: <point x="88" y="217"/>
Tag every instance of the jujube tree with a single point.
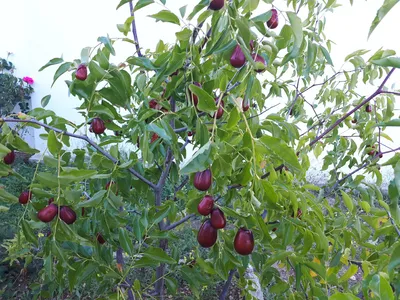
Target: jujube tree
<point x="247" y="171"/>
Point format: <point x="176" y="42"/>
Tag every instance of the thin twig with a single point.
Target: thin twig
<point x="392" y="221"/>
<point x="134" y="31"/>
<point x="84" y="138"/>
<point x="227" y="284"/>
<point x="181" y="221"/>
<point x="376" y="93"/>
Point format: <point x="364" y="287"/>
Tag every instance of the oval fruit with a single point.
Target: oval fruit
<point x="260" y="61"/>
<point x="245" y="105"/>
<point x="207" y="235"/>
<point x="217" y="4"/>
<point x="100" y="238"/>
<point x="218" y="220"/>
<point x="48" y="213"/>
<point x="81" y="72"/>
<point x="244" y="241"/>
<point x="67" y="215"/>
<point x="237" y="58"/>
<point x="368" y="108"/>
<point x="98" y="126"/>
<point x="9" y="158"/>
<point x="203" y="180"/>
<point x="272" y="23"/>
<point x="25" y="197"/>
<point x="206" y="205"/>
<point x="220" y="110"/>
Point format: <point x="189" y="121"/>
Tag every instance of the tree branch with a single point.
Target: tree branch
<point x="376" y="93"/>
<point x="392" y="221"/>
<point x="84" y="138"/>
<point x="227" y="284"/>
<point x="181" y="221"/>
<point x="134" y="31"/>
<point x="121" y="263"/>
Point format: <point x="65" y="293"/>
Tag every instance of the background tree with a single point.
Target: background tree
<point x="211" y="89"/>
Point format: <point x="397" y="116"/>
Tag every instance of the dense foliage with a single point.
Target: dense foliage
<point x="13" y="90"/>
<point x="106" y="212"/>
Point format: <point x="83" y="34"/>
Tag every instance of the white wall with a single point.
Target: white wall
<point x="36" y="31"/>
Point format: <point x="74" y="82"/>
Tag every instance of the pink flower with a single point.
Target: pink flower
<point x="28" y="80"/>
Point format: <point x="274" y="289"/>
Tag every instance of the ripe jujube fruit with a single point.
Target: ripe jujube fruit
<point x="207" y="235"/>
<point x="9" y="158"/>
<point x="218" y="220"/>
<point x="67" y="214"/>
<point x="206" y="205"/>
<point x="153" y="104"/>
<point x="100" y="238"/>
<point x="217" y="4"/>
<point x="259" y="60"/>
<point x="245" y="105"/>
<point x="244" y="241"/>
<point x="354" y="121"/>
<point x="25" y="197"/>
<point x="203" y="180"/>
<point x="272" y="23"/>
<point x="81" y="72"/>
<point x="368" y="108"/>
<point x="193" y="96"/>
<point x="48" y="213"/>
<point x="220" y="111"/>
<point x="154" y="138"/>
<point x="98" y="126"/>
<point x="237" y="58"/>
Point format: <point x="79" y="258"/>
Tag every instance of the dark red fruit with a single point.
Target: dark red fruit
<point x="83" y="211"/>
<point x="154" y="138"/>
<point x="218" y="220"/>
<point x="67" y="215"/>
<point x="48" y="213"/>
<point x="9" y="158"/>
<point x="299" y="213"/>
<point x="153" y="104"/>
<point x="25" y="197"/>
<point x="193" y="96"/>
<point x="380" y="155"/>
<point x="207" y="235"/>
<point x="237" y="58"/>
<point x="274" y="229"/>
<point x="245" y="105"/>
<point x="98" y="126"/>
<point x="272" y="23"/>
<point x="372" y="152"/>
<point x="259" y="59"/>
<point x="220" y="111"/>
<point x="51" y="200"/>
<point x="100" y="239"/>
<point x="244" y="241"/>
<point x="203" y="180"/>
<point x="217" y="4"/>
<point x="354" y="121"/>
<point x="190" y="133"/>
<point x="368" y="108"/>
<point x="206" y="205"/>
<point x="113" y="185"/>
<point x="81" y="73"/>
<point x="175" y="73"/>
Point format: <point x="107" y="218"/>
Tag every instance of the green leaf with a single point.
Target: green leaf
<point x="393" y="62"/>
<point x="45" y="100"/>
<point x="142" y="3"/>
<point x="343" y="296"/>
<point x="107" y="43"/>
<point x="4" y="149"/>
<point x="283" y="151"/>
<point x="7" y="197"/>
<point x="125" y="241"/>
<point x="54" y="61"/>
<point x="60" y="71"/>
<point x="53" y="144"/>
<point x="393" y="122"/>
<point x="350" y="272"/>
<point x="263" y="17"/>
<point x="100" y="109"/>
<point x="381" y="13"/>
<point x="347" y="201"/>
<point x="394" y="260"/>
<point x="158" y="255"/>
<point x="97" y="72"/>
<point x="297" y="29"/>
<point x="182" y="11"/>
<point x="166" y="16"/>
<point x="28" y="233"/>
<point x="95" y="200"/>
<point x="206" y="101"/>
<point x="200" y="161"/>
<point x="76" y="175"/>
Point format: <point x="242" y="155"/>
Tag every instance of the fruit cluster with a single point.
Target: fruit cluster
<point x="208" y="232"/>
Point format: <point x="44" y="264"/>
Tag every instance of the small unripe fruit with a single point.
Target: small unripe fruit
<point x="207" y="235"/>
<point x="67" y="215"/>
<point x="98" y="126"/>
<point x="206" y="205"/>
<point x="244" y="241"/>
<point x="48" y="213"/>
<point x="218" y="220"/>
<point x="25" y="197"/>
<point x="81" y="72"/>
<point x="203" y="180"/>
<point x="260" y="61"/>
<point x="9" y="158"/>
